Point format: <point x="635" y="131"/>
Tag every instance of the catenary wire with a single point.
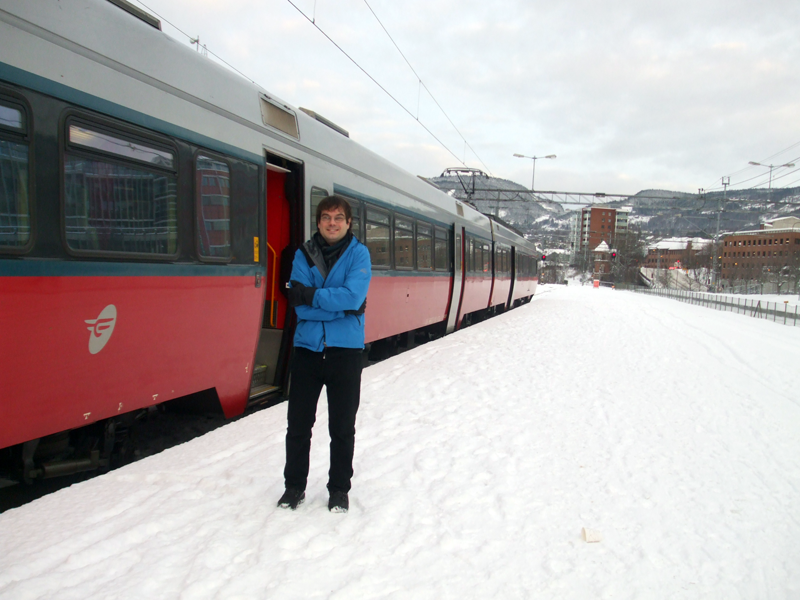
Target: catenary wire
<point x="219" y="58"/>
<point x="422" y="83"/>
<point x="743" y="169"/>
<point x="375" y="81"/>
<point x="312" y="21"/>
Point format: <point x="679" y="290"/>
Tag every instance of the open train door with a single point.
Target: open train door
<point x="285" y="218"/>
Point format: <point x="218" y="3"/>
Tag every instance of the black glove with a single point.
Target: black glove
<point x="299" y="294"/>
<point x="360" y="311"/>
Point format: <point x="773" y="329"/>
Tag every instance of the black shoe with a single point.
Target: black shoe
<point x="292" y="498"/>
<point x="338" y="502"/>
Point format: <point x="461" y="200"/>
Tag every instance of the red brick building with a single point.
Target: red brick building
<point x="749" y="255"/>
<point x="675" y="252"/>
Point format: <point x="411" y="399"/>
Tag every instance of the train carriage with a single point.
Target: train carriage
<point x="150" y="205"/>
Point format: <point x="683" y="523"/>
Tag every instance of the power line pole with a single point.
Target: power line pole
<point x="726" y="181"/>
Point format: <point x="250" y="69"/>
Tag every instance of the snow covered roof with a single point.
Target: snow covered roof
<point x="603" y="247"/>
<point x="679" y="243"/>
<point x="782" y="225"/>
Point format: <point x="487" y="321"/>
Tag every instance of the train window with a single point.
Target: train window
<point x="105" y="142"/>
<point x="424" y="235"/>
<point x="377" y="236"/>
<point x="442" y="250"/>
<point x="403" y="243"/>
<point x="213" y="205"/>
<point x="15" y="212"/>
<point x="355" y="226"/>
<point x="113" y="202"/>
<point x="457" y="255"/>
<point x="279" y="117"/>
<point x="317" y="195"/>
<point x="12" y="117"/>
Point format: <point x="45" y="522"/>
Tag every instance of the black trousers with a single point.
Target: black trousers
<point x="339" y="369"/>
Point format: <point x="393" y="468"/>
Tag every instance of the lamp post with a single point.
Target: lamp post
<point x="770" y="167"/>
<point x="534" y="159"/>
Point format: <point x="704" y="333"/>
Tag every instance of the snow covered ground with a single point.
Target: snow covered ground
<point x="671" y="429"/>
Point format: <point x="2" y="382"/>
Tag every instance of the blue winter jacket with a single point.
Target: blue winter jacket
<point x="344" y="288"/>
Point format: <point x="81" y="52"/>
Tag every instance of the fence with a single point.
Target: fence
<point x="779" y="312"/>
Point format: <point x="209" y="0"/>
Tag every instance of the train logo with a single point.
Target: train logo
<point x="101" y="328"/>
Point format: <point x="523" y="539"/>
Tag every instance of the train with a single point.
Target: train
<point x="151" y="202"/>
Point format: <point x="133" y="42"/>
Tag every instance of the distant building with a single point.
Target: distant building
<point x="597" y="224"/>
<point x="602" y="261"/>
<point x="751" y="254"/>
<point x="675" y="252"/>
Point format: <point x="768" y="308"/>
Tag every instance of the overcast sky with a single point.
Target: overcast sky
<point x="628" y="94"/>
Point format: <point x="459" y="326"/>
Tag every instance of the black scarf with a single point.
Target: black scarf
<point x="332" y="253"/>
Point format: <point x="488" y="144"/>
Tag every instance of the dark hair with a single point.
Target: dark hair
<point x="332" y="203"/>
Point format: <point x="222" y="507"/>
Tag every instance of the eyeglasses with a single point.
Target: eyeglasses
<point x="340" y="218"/>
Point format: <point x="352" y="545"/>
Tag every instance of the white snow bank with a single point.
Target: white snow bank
<point x="669" y="428"/>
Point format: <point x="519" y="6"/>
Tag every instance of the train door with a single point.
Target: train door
<point x="285" y="218"/>
<point x="514" y="274"/>
<point x="454" y="317"/>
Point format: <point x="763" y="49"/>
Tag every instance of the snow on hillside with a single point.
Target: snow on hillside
<point x="669" y="428"/>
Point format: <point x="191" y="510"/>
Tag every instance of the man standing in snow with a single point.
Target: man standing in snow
<point x="329" y="283"/>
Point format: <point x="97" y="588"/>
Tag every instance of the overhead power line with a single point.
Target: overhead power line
<point x="375" y="81"/>
<point x="312" y="20"/>
<point x="422" y="83"/>
<point x="196" y="40"/>
<point x="716" y="186"/>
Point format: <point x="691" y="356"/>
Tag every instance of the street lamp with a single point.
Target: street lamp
<point x="534" y="159"/>
<point x="757" y="164"/>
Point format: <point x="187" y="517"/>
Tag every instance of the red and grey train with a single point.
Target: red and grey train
<point x="150" y="204"/>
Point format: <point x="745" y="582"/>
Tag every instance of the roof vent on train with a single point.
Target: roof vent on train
<point x="325" y="121"/>
<point x="137" y="12"/>
<point x="279" y="116"/>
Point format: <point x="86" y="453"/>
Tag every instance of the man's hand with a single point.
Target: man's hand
<point x="299" y="294"/>
<point x="360" y="311"/>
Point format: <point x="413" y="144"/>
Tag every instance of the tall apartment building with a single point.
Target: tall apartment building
<point x="597" y="224"/>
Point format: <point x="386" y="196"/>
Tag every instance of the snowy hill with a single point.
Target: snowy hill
<point x="669" y="428"/>
<point x="661" y="213"/>
<point x="664" y="213"/>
